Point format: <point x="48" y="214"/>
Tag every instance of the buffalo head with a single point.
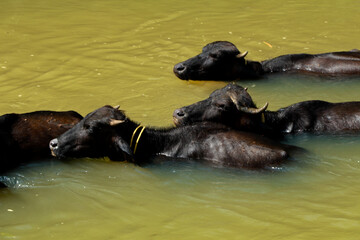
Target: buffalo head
<point x="231" y="105"/>
<point x="219" y="60"/>
<point x="97" y="135"/>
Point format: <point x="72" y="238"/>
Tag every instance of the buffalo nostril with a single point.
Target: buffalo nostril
<point x="179" y="113"/>
<point x="53" y="143"/>
<point x="180" y="67"/>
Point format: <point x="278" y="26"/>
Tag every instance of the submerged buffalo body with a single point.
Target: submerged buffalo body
<point x="26" y="136"/>
<point x="221" y="60"/>
<point x="233" y="106"/>
<point x="108" y="132"/>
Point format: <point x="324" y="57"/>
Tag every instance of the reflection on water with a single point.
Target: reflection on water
<point x="81" y="55"/>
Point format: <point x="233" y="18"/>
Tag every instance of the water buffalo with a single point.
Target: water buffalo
<point x="221" y="60"/>
<point x="26" y="136"/>
<point x="233" y="106"/>
<point x="109" y="132"/>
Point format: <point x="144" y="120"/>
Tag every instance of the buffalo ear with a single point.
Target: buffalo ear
<point x="123" y="147"/>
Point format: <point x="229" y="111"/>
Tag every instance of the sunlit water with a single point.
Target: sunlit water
<point x="80" y="55"/>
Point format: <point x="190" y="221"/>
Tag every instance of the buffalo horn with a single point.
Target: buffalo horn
<point x="254" y="110"/>
<point x="114" y="122"/>
<point x="116" y="107"/>
<point x="242" y="55"/>
<point x="250" y="110"/>
<point x="233" y="99"/>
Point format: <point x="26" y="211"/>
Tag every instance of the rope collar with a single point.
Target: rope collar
<point x="262" y="117"/>
<point x="142" y="128"/>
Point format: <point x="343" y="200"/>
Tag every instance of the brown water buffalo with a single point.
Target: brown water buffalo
<point x="26" y="136"/>
<point x="233" y="106"/>
<point x="109" y="132"/>
<point x="221" y="60"/>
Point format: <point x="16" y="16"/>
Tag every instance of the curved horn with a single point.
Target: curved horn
<point x="116" y="107"/>
<point x="242" y="55"/>
<point x="246" y="109"/>
<point x="254" y="110"/>
<point x="114" y="122"/>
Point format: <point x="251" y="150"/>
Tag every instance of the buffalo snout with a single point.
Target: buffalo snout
<point x="180" y="71"/>
<point x="53" y="146"/>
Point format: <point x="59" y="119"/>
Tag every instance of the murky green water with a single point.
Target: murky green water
<point x="80" y="55"/>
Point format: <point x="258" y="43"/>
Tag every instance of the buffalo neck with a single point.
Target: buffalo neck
<point x="247" y="68"/>
<point x="282" y="63"/>
<point x="277" y="121"/>
<point x="149" y="141"/>
<point x="268" y="123"/>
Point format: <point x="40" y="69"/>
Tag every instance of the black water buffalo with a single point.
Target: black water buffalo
<point x="26" y="136"/>
<point x="108" y="132"/>
<point x="233" y="106"/>
<point x="221" y="60"/>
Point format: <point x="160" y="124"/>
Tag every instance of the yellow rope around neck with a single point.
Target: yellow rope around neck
<point x="262" y="117"/>
<point x="138" y="138"/>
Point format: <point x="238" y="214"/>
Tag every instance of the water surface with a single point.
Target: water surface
<point x="81" y="55"/>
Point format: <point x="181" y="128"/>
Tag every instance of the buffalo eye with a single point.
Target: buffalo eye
<point x="220" y="105"/>
<point x="214" y="55"/>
